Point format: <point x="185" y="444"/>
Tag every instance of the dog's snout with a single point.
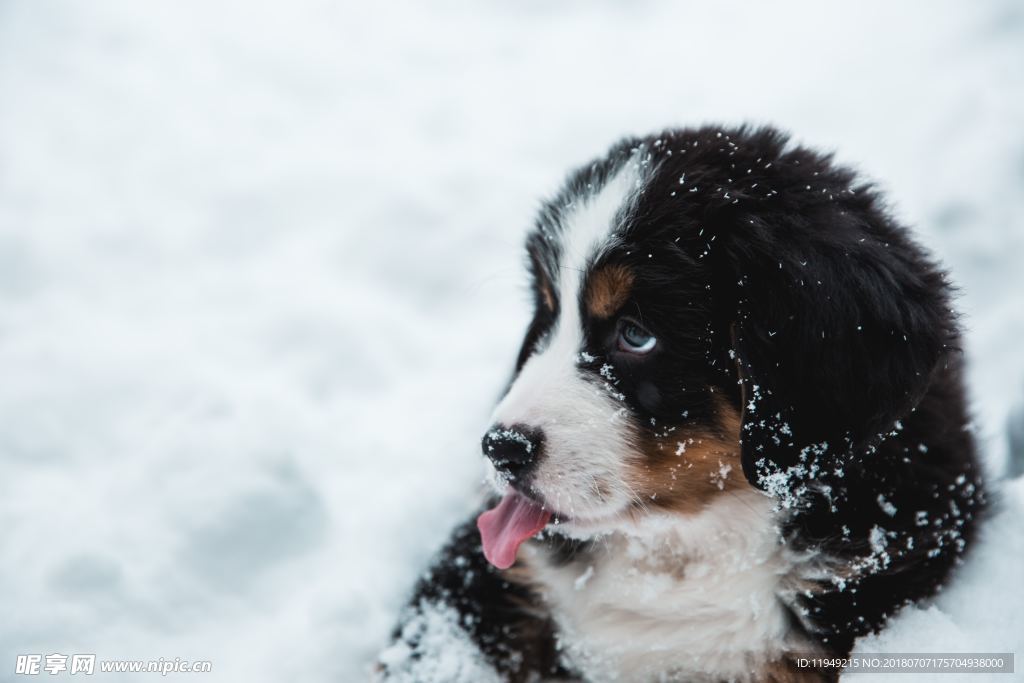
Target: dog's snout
<point x="513" y="450"/>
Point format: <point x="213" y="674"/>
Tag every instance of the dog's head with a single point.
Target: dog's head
<point x="709" y="304"/>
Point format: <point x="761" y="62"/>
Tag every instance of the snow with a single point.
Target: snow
<point x="980" y="612"/>
<point x="443" y="651"/>
<point x="260" y="283"/>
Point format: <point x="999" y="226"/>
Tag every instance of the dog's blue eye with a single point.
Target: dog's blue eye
<point x="635" y="339"/>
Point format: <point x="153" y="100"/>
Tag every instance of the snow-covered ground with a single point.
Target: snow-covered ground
<point x="259" y="282"/>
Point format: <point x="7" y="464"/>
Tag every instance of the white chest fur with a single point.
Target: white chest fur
<point x="676" y="598"/>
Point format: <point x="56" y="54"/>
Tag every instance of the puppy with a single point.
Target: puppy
<point x="736" y="434"/>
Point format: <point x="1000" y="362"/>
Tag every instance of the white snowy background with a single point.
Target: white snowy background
<point x="260" y="282"/>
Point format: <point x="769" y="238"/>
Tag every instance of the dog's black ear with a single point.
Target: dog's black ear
<point x="837" y="322"/>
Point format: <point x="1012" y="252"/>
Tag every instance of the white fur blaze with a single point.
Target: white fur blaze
<point x="586" y="428"/>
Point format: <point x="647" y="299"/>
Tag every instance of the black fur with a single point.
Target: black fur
<point x="780" y="282"/>
<point x="503" y="617"/>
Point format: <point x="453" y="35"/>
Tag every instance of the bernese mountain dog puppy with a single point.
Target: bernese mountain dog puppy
<point x="736" y="434"/>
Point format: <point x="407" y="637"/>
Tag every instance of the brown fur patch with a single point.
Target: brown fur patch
<point x="547" y="294"/>
<point x="686" y="468"/>
<point x="607" y="289"/>
<point x="519" y="573"/>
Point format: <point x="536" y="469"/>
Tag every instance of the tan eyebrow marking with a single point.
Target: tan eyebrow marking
<point x="607" y="289"/>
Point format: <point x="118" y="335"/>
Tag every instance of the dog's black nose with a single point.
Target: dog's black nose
<point x="513" y="450"/>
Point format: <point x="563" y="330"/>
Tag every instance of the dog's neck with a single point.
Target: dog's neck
<point x="694" y="596"/>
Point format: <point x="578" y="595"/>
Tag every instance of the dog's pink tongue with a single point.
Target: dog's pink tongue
<point x="504" y="528"/>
